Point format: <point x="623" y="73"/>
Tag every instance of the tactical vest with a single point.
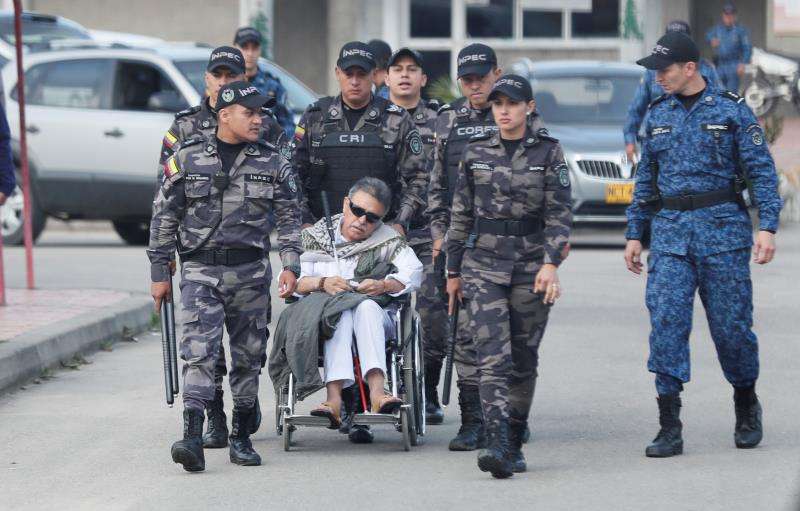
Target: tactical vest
<point x="463" y="129"/>
<point x="343" y="157"/>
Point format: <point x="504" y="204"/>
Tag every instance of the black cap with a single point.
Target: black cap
<point x="356" y="53"/>
<point x="226" y="56"/>
<point x="729" y="8"/>
<point x="672" y="47"/>
<point x="247" y="35"/>
<point x="240" y="93"/>
<point x="381" y="51"/>
<point x="514" y="86"/>
<point x="679" y="26"/>
<point x="476" y="59"/>
<point x="406" y="52"/>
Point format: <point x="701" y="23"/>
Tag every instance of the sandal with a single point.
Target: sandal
<point x="387" y="404"/>
<point x="326" y="410"/>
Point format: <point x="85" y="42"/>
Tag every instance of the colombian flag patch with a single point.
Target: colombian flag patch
<point x="171" y="170"/>
<point x="299" y="132"/>
<point x="170" y="139"/>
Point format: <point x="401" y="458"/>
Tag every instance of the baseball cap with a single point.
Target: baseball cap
<point x="405" y="52"/>
<point x="240" y="93"/>
<point x="729" y="8"/>
<point x="356" y="53"/>
<point x="381" y="51"/>
<point x="247" y="35"/>
<point x="679" y="26"/>
<point x="226" y="56"/>
<point x="672" y="47"/>
<point x="514" y="86"/>
<point x="476" y="59"/>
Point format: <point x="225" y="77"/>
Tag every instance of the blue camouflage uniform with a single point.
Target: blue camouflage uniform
<point x="706" y="249"/>
<point x="383" y="92"/>
<point x="648" y="91"/>
<point x="272" y="87"/>
<point x="734" y="48"/>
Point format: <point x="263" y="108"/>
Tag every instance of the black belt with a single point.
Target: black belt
<point x="522" y="227"/>
<point x="700" y="200"/>
<point x="224" y="256"/>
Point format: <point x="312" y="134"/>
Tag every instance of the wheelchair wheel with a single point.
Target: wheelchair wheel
<point x="287" y="437"/>
<point x="414" y="383"/>
<point x="280" y="402"/>
<point x="407" y="427"/>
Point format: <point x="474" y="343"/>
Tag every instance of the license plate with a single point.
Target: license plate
<point x="619" y="193"/>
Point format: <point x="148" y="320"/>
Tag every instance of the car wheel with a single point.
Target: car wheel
<point x="11" y="217"/>
<point x="134" y="232"/>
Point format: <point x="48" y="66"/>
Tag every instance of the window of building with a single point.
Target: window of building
<point x="490" y="18"/>
<point x="430" y="18"/>
<point x="602" y="21"/>
<point x="437" y="69"/>
<point x="538" y="23"/>
<point x="69" y="83"/>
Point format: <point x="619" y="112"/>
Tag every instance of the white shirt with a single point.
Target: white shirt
<point x="409" y="267"/>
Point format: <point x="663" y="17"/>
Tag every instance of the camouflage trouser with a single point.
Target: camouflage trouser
<point x="221" y="368"/>
<point x="243" y="311"/>
<point x="431" y="305"/>
<point x="724" y="286"/>
<point x="508" y="323"/>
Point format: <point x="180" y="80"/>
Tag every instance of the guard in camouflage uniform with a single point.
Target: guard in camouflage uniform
<point x="405" y="79"/>
<point x="213" y="207"/>
<point x="353" y="135"/>
<point x="456" y="123"/>
<point x="509" y="230"/>
<point x="703" y="145"/>
<point x="225" y="65"/>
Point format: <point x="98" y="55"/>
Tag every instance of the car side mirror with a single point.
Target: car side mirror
<point x="166" y="101"/>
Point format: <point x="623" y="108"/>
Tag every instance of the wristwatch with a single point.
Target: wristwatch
<point x="453" y="274"/>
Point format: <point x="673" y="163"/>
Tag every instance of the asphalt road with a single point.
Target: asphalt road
<point x="99" y="437"/>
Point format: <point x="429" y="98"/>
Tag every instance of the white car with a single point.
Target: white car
<point x="95" y="121"/>
<point x="39" y="32"/>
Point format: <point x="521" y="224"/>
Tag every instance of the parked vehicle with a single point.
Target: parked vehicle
<point x="770" y="78"/>
<point x="95" y="122"/>
<point x="584" y="105"/>
<point x="39" y="32"/>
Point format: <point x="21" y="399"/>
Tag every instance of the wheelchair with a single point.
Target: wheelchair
<point x="405" y="377"/>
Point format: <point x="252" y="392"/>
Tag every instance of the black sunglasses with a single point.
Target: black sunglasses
<point x="358" y="211"/>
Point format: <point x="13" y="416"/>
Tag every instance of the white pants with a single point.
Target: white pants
<point x="370" y="323"/>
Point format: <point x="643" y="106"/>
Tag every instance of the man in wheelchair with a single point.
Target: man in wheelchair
<point x="374" y="265"/>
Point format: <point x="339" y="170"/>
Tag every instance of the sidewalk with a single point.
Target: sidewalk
<point x="42" y="328"/>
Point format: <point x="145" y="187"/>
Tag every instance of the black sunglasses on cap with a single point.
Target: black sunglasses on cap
<point x="358" y="211"/>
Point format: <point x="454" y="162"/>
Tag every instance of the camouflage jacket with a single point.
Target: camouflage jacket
<point x="424" y="116"/>
<point x="202" y="120"/>
<point x="191" y="212"/>
<point x="439" y="181"/>
<point x="532" y="185"/>
<point x="401" y="142"/>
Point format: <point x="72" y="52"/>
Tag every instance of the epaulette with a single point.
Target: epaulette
<point x="433" y="104"/>
<point x="482" y="136"/>
<point x="658" y="100"/>
<point x="391" y="107"/>
<point x="191" y="141"/>
<point x="444" y="108"/>
<point x="545" y="135"/>
<point x="321" y="104"/>
<point x="731" y="95"/>
<point x="188" y="111"/>
<point x="266" y="111"/>
<point x="269" y="145"/>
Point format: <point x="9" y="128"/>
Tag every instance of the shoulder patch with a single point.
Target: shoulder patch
<point x="394" y="109"/>
<point x="731" y="95"/>
<point x="188" y="111"/>
<point x="414" y="142"/>
<point x="658" y="100"/>
<point x="444" y="108"/>
<point x="562" y="172"/>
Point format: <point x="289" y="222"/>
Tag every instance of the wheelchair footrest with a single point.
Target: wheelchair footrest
<point x="368" y="419"/>
<point x="307" y="420"/>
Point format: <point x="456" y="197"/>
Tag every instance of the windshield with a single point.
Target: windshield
<point x="584" y="99"/>
<point x="40" y="30"/>
<point x="298" y="95"/>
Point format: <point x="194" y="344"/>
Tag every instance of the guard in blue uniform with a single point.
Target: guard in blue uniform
<point x="732" y="47"/>
<point x="690" y="188"/>
<point x="649" y="90"/>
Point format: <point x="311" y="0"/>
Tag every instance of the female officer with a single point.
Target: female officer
<point x="510" y="226"/>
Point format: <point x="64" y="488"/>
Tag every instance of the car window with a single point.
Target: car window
<point x="39" y="30"/>
<point x="298" y="96"/>
<point x="82" y="83"/>
<point x="584" y="99"/>
<point x="136" y="83"/>
<point x="195" y="72"/>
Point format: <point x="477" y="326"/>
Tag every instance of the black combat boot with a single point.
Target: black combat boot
<point x="471" y="435"/>
<point x="748" y="432"/>
<point x="216" y="435"/>
<point x="495" y="458"/>
<point x="241" y="450"/>
<point x="516" y="432"/>
<point x="189" y="451"/>
<point x="433" y="410"/>
<point x="257" y="420"/>
<point x="669" y="441"/>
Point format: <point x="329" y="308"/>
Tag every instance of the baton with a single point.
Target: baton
<point x="168" y="348"/>
<point x="448" y="361"/>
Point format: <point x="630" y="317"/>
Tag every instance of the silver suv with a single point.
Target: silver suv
<point x="95" y="122"/>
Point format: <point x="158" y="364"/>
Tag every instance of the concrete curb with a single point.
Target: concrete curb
<point x="26" y="356"/>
